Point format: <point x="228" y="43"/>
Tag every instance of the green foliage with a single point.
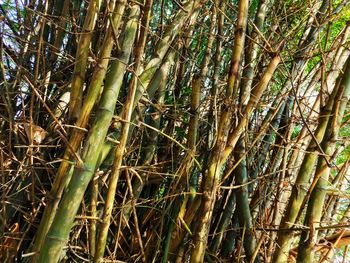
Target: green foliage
<point x="332" y="30"/>
<point x="313" y="62"/>
<point x="180" y="132"/>
<point x="9" y="8"/>
<point x="345" y="154"/>
<point x="253" y="7"/>
<point x="338" y="24"/>
<point x="296" y="131"/>
<point x="186" y="91"/>
<point x="169" y="98"/>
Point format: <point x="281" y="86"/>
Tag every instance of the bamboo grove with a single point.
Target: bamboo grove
<point x="174" y="131"/>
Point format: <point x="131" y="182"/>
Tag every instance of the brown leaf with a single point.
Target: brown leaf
<point x="36" y="134"/>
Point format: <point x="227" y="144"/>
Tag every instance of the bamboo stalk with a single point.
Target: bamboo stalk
<point x="150" y="140"/>
<point x="62" y="177"/>
<point x="81" y="60"/>
<point x="252" y="53"/>
<point x="299" y="189"/>
<point x="119" y="152"/>
<point x="255" y="97"/>
<point x="163" y="46"/>
<point x="179" y="204"/>
<point x="211" y="180"/>
<point x="243" y="210"/>
<point x="93" y="214"/>
<point x="161" y="50"/>
<point x="62" y="223"/>
<point x="317" y="198"/>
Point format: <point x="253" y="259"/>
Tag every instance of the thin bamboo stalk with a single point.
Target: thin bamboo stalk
<point x="197" y="83"/>
<point x="93" y="214"/>
<point x="255" y="97"/>
<point x="150" y="140"/>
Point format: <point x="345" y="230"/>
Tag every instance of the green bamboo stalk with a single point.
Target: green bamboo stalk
<point x="338" y="62"/>
<point x="186" y="12"/>
<point x="303" y="140"/>
<point x="282" y="137"/>
<point x="62" y="223"/>
<point x="299" y="189"/>
<point x="314" y="211"/>
<point x="252" y="53"/>
<point x="62" y="177"/>
<point x="278" y="159"/>
<point x="216" y="74"/>
<point x="267" y="140"/>
<point x="163" y="46"/>
<point x="197" y="83"/>
<point x="93" y="214"/>
<point x="61" y="11"/>
<point x="224" y="222"/>
<point x="81" y="59"/>
<point x="228" y="244"/>
<point x="243" y="209"/>
<point x="150" y="137"/>
<point x="119" y="152"/>
<point x="188" y="218"/>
